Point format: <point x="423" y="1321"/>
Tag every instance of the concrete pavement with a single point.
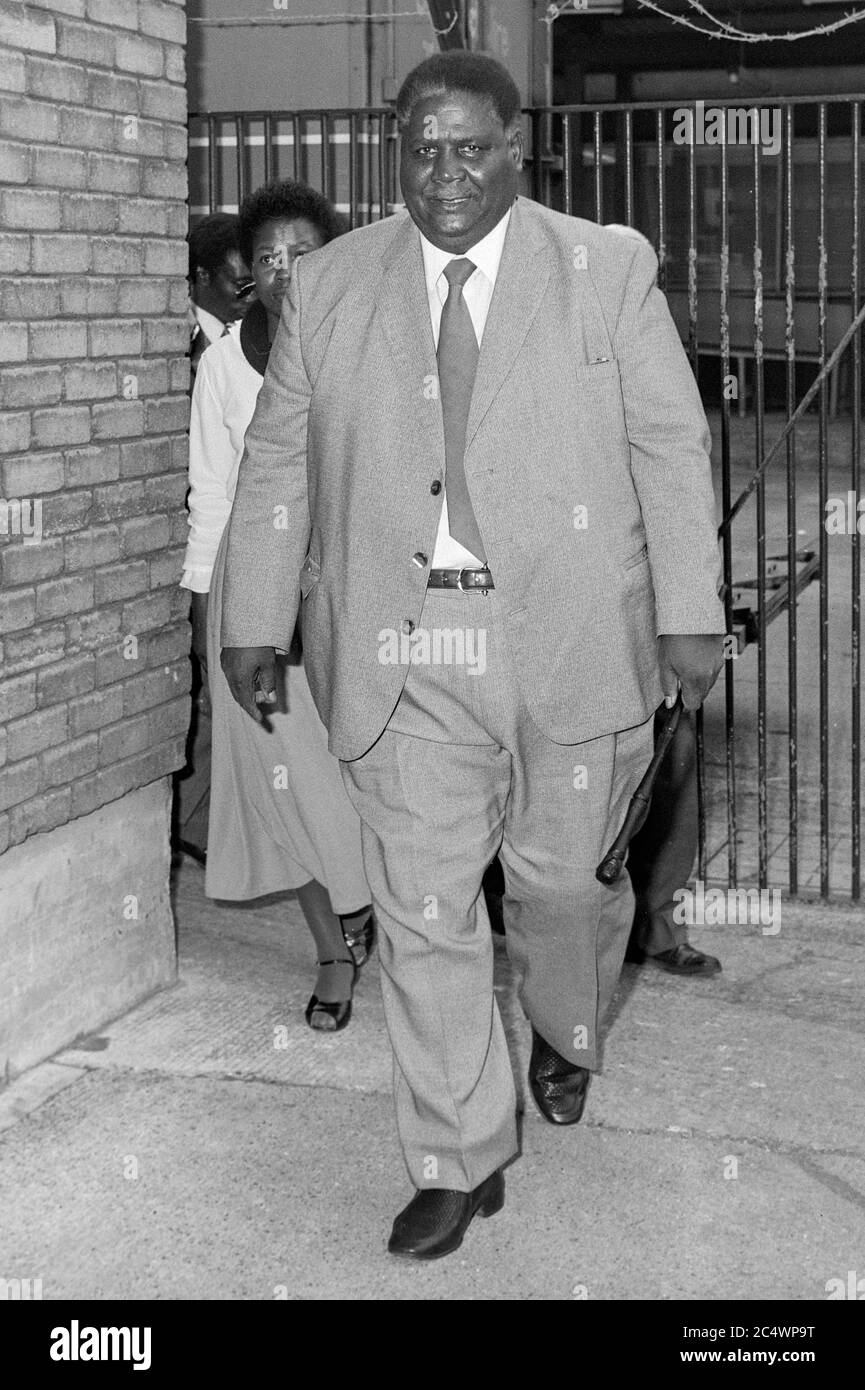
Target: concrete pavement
<point x="209" y="1145"/>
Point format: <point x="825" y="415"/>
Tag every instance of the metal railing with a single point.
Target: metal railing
<point x="349" y="155"/>
<point x="759" y="256"/>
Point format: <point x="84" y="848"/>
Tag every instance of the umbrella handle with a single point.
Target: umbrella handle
<point x="610" y="868"/>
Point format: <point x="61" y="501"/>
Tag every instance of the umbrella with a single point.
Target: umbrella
<point x="610" y="867"/>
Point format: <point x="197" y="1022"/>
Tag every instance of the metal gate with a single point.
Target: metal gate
<point x="755" y="215"/>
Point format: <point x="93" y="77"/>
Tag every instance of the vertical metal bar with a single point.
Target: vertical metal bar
<point x="212" y="153"/>
<point x="727" y="541"/>
<point x="567" y="164"/>
<point x="239" y="124"/>
<point x="629" y="168"/>
<point x="856" y="555"/>
<point x="535" y="120"/>
<point x="382" y="165"/>
<point x="759" y="447"/>
<point x="548" y="169"/>
<point x="324" y="127"/>
<point x="693" y="355"/>
<point x="352" y="168"/>
<point x="823" y="471"/>
<point x="268" y="149"/>
<point x="296" y="148"/>
<point x="662" y="203"/>
<point x="792" y="533"/>
<point x="692" y="255"/>
<point x="369" y="166"/>
<point x="599" y="173"/>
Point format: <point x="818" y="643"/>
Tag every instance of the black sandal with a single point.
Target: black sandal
<point x="361" y="941"/>
<point x="338" y="1011"/>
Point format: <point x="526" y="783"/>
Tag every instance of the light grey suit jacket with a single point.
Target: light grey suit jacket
<point x="586" y="458"/>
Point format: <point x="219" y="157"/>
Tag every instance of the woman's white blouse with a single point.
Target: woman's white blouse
<point x="223" y="403"/>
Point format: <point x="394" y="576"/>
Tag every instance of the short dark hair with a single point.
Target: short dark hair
<point x="286" y="199"/>
<point x="457" y="70"/>
<point x="211" y="241"/>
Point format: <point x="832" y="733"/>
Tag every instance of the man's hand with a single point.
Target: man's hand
<point x="691" y="661"/>
<point x="251" y="676"/>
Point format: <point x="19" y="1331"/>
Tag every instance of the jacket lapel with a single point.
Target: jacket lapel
<point x="521" y="283"/>
<point x="403" y="312"/>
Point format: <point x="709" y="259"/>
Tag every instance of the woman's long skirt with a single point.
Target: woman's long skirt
<point x="279" y="814"/>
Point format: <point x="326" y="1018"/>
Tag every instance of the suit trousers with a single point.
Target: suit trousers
<point x="460" y="773"/>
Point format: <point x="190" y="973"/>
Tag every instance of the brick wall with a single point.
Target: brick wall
<point x="93" y="630"/>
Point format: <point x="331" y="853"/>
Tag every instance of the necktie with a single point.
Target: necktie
<point x="458" y="360"/>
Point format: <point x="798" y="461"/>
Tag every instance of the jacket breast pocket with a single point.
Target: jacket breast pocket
<point x="603" y="372"/>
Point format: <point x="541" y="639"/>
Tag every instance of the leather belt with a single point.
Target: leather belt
<point x="460" y="579"/>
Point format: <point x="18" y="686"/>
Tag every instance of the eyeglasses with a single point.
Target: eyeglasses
<point x="244" y="290"/>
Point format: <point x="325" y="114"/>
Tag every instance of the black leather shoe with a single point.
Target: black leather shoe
<point x="436" y="1219"/>
<point x="559" y="1087"/>
<point x="686" y="960"/>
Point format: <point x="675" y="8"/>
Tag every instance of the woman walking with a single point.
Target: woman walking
<point x="279" y="815"/>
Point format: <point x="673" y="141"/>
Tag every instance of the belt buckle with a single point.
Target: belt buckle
<point x="463" y="588"/>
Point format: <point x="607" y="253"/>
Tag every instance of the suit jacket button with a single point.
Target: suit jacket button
<point x="435" y="487"/>
<point x="419" y="559"/>
<point x="407" y="626"/>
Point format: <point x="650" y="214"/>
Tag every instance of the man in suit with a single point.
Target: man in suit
<point x="479" y="465"/>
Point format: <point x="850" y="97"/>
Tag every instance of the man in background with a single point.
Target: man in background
<point x="218" y="281"/>
<point x="660" y="861"/>
<point x="220" y="289"/>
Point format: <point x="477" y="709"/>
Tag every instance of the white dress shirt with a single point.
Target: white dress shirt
<point x="212" y="327"/>
<point x="477" y="293"/>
